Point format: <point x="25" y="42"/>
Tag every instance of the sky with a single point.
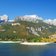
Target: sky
<point x="43" y="8"/>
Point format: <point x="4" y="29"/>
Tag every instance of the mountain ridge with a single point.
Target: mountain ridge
<point x="25" y="29"/>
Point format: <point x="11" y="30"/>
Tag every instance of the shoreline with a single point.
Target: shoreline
<point x="36" y="43"/>
<point x="10" y="41"/>
<point x="27" y="43"/>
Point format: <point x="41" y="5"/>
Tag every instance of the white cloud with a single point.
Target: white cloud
<point x="4" y="17"/>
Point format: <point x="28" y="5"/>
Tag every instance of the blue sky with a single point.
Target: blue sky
<point x="43" y="8"/>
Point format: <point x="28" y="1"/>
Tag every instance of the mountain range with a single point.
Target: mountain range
<point x="25" y="27"/>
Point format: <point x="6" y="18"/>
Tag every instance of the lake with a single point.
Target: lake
<point x="24" y="50"/>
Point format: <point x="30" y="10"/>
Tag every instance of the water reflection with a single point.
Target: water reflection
<point x="23" y="50"/>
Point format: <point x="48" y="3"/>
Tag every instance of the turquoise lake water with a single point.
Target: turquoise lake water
<point x="24" y="50"/>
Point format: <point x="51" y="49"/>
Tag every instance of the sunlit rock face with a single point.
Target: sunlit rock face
<point x="30" y="18"/>
<point x="50" y="21"/>
<point x="4" y="18"/>
<point x="35" y="18"/>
